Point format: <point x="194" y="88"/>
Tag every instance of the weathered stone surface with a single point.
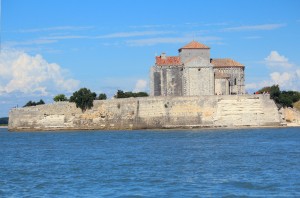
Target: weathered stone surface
<point x="291" y="116"/>
<point x="194" y="73"/>
<point x="150" y="113"/>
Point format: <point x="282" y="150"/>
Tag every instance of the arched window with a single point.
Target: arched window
<point x="235" y="81"/>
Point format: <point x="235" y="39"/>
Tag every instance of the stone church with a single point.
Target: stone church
<point x="194" y="73"/>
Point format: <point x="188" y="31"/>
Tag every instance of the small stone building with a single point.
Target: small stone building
<point x="194" y="73"/>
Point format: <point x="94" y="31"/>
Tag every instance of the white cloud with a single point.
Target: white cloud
<point x="257" y="86"/>
<point x="158" y="40"/>
<point x="154" y="41"/>
<point x="255" y="27"/>
<point x="133" y="34"/>
<point x="140" y="85"/>
<point x="298" y="73"/>
<point x="30" y="42"/>
<point x="286" y="80"/>
<point x="282" y="73"/>
<point x="21" y="72"/>
<point x="63" y="37"/>
<point x="57" y="38"/>
<point x="216" y="24"/>
<point x="152" y="26"/>
<point x="277" y="60"/>
<point x="283" y="79"/>
<point x="110" y="85"/>
<point x="58" y="28"/>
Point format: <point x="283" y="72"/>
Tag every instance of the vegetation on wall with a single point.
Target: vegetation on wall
<point x="83" y="98"/>
<point x="281" y="98"/>
<point x="102" y="96"/>
<point x="32" y="103"/>
<point x="122" y="94"/>
<point x="60" y="97"/>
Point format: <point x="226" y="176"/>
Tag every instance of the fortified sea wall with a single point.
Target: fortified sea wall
<point x="151" y="113"/>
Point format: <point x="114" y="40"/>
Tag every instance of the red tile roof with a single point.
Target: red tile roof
<point x="168" y="60"/>
<point x="225" y="62"/>
<point x="194" y="45"/>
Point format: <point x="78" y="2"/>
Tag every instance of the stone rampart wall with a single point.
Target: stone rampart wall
<point x="150" y="113"/>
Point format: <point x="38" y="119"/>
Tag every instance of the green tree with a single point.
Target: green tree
<point x="31" y="103"/>
<point x="83" y="98"/>
<point x="275" y="93"/>
<point x="102" y="96"/>
<point x="122" y="94"/>
<point x="285" y="101"/>
<point x="281" y="98"/>
<point x="41" y="102"/>
<point x="141" y="94"/>
<point x="60" y="97"/>
<point x="293" y="95"/>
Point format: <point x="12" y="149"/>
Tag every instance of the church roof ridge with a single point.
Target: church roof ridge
<point x="225" y="62"/>
<point x="194" y="45"/>
<point x="168" y="60"/>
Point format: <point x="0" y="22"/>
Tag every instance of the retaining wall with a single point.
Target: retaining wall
<point x="150" y="113"/>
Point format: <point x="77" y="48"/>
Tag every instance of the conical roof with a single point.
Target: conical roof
<point x="195" y="45"/>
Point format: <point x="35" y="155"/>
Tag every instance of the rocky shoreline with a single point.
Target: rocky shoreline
<point x="293" y="125"/>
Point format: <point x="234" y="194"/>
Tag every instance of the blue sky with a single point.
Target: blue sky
<point x="57" y="46"/>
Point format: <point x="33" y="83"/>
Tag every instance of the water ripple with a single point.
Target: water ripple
<point x="220" y="163"/>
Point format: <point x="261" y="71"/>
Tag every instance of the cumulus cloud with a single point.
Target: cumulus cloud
<point x="282" y="72"/>
<point x="140" y="85"/>
<point x="21" y="72"/>
<point x="286" y="80"/>
<point x="257" y="85"/>
<point x="276" y="60"/>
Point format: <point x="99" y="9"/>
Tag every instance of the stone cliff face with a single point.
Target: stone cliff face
<point x="291" y="116"/>
<point x="150" y="113"/>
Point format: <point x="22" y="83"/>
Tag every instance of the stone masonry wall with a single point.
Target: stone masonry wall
<point x="186" y="54"/>
<point x="237" y="78"/>
<point x="198" y="81"/>
<point x="150" y="113"/>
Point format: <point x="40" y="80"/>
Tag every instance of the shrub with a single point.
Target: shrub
<point x="31" y="103"/>
<point x="122" y="94"/>
<point x="60" y="97"/>
<point x="282" y="98"/>
<point x="102" y="96"/>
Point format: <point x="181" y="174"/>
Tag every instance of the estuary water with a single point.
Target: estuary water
<point x="146" y="163"/>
